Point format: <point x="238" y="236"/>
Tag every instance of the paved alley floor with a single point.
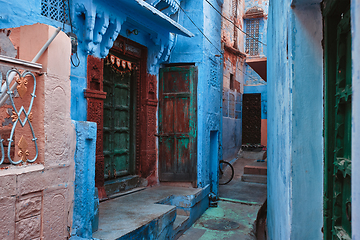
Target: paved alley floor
<point x="235" y="216"/>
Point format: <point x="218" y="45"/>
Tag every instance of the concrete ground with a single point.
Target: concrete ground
<point x="237" y="210"/>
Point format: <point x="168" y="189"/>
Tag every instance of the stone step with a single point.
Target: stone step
<point x="254" y="178"/>
<point x="160" y="212"/>
<point x="123" y="184"/>
<point x="180" y="225"/>
<point x="256" y="168"/>
<point x="252" y="154"/>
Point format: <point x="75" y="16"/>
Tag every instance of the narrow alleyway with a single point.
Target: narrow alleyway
<point x="236" y="213"/>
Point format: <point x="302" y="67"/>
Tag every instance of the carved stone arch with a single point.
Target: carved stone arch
<point x="254" y="12"/>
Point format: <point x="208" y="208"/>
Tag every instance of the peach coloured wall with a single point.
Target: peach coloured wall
<point x="36" y="199"/>
<point x="233" y="64"/>
<point x="264" y="132"/>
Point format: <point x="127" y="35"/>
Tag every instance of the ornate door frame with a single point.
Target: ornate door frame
<point x="146" y="109"/>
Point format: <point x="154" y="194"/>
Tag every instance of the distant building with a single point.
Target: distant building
<point x="255" y="87"/>
<point x="244" y="29"/>
<point x="233" y="76"/>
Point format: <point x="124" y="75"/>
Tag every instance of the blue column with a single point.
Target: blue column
<point x="84" y="203"/>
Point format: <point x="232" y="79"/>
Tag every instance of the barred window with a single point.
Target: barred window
<point x="252" y="39"/>
<point x="55" y="9"/>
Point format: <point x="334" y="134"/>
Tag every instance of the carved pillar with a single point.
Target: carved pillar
<point x="95" y="113"/>
<point x="149" y="129"/>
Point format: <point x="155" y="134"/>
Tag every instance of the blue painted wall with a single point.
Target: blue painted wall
<point x="18" y="13"/>
<point x="78" y="84"/>
<point x="295" y="121"/>
<point x="232" y="123"/>
<point x="84" y="204"/>
<point x="209" y="90"/>
<point x="355" y="165"/>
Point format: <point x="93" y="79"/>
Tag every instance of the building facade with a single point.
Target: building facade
<point x="233" y="76"/>
<point x="244" y="27"/>
<point x="144" y="96"/>
<point x="255" y="88"/>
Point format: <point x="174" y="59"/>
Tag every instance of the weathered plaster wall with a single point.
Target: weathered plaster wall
<point x="355" y="165"/>
<point x="229" y="34"/>
<point x="37" y="198"/>
<point x="279" y="119"/>
<point x="307" y="122"/>
<point x="295" y="116"/>
<point x="199" y="51"/>
<point x="84" y="204"/>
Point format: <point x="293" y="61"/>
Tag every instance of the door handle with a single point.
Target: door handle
<point x="348" y="210"/>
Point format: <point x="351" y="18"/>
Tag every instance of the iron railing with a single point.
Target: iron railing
<point x="17" y="85"/>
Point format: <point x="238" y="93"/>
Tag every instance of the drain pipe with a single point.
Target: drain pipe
<point x="3" y="95"/>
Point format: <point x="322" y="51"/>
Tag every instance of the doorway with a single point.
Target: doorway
<point x="338" y="95"/>
<point x="251" y="119"/>
<point x="119" y="116"/>
<point x="177" y="124"/>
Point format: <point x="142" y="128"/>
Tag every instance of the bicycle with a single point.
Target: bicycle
<point x="226" y="172"/>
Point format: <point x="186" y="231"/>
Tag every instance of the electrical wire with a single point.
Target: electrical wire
<point x="198" y="28"/>
<point x="78" y="60"/>
<point x="221" y="52"/>
<point x="234" y="24"/>
<point x="71" y="31"/>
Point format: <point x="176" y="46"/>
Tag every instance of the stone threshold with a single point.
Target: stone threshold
<point x="160" y="212"/>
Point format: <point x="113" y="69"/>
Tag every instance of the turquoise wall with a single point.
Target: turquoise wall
<point x="295" y="121"/>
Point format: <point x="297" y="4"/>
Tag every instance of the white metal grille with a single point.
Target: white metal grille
<point x="252" y="39"/>
<point x="55" y="9"/>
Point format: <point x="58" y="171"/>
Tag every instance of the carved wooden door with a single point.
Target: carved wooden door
<point x="251" y="119"/>
<point x="177" y="123"/>
<point x="119" y="110"/>
<point x="338" y="97"/>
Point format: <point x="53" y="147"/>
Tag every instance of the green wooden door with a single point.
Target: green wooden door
<point x="119" y="110"/>
<point x="177" y="124"/>
<point x="337" y="202"/>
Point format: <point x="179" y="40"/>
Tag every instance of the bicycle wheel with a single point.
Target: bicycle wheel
<point x="226" y="172"/>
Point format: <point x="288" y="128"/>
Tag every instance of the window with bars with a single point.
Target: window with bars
<point x="56" y="10"/>
<point x="252" y="39"/>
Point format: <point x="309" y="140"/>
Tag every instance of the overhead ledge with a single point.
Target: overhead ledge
<point x="138" y="8"/>
<point x="234" y="51"/>
<point x="259" y="66"/>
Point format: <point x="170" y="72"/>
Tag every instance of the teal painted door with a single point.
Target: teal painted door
<point x="177" y="124"/>
<point x="119" y="110"/>
<point x="337" y="202"/>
